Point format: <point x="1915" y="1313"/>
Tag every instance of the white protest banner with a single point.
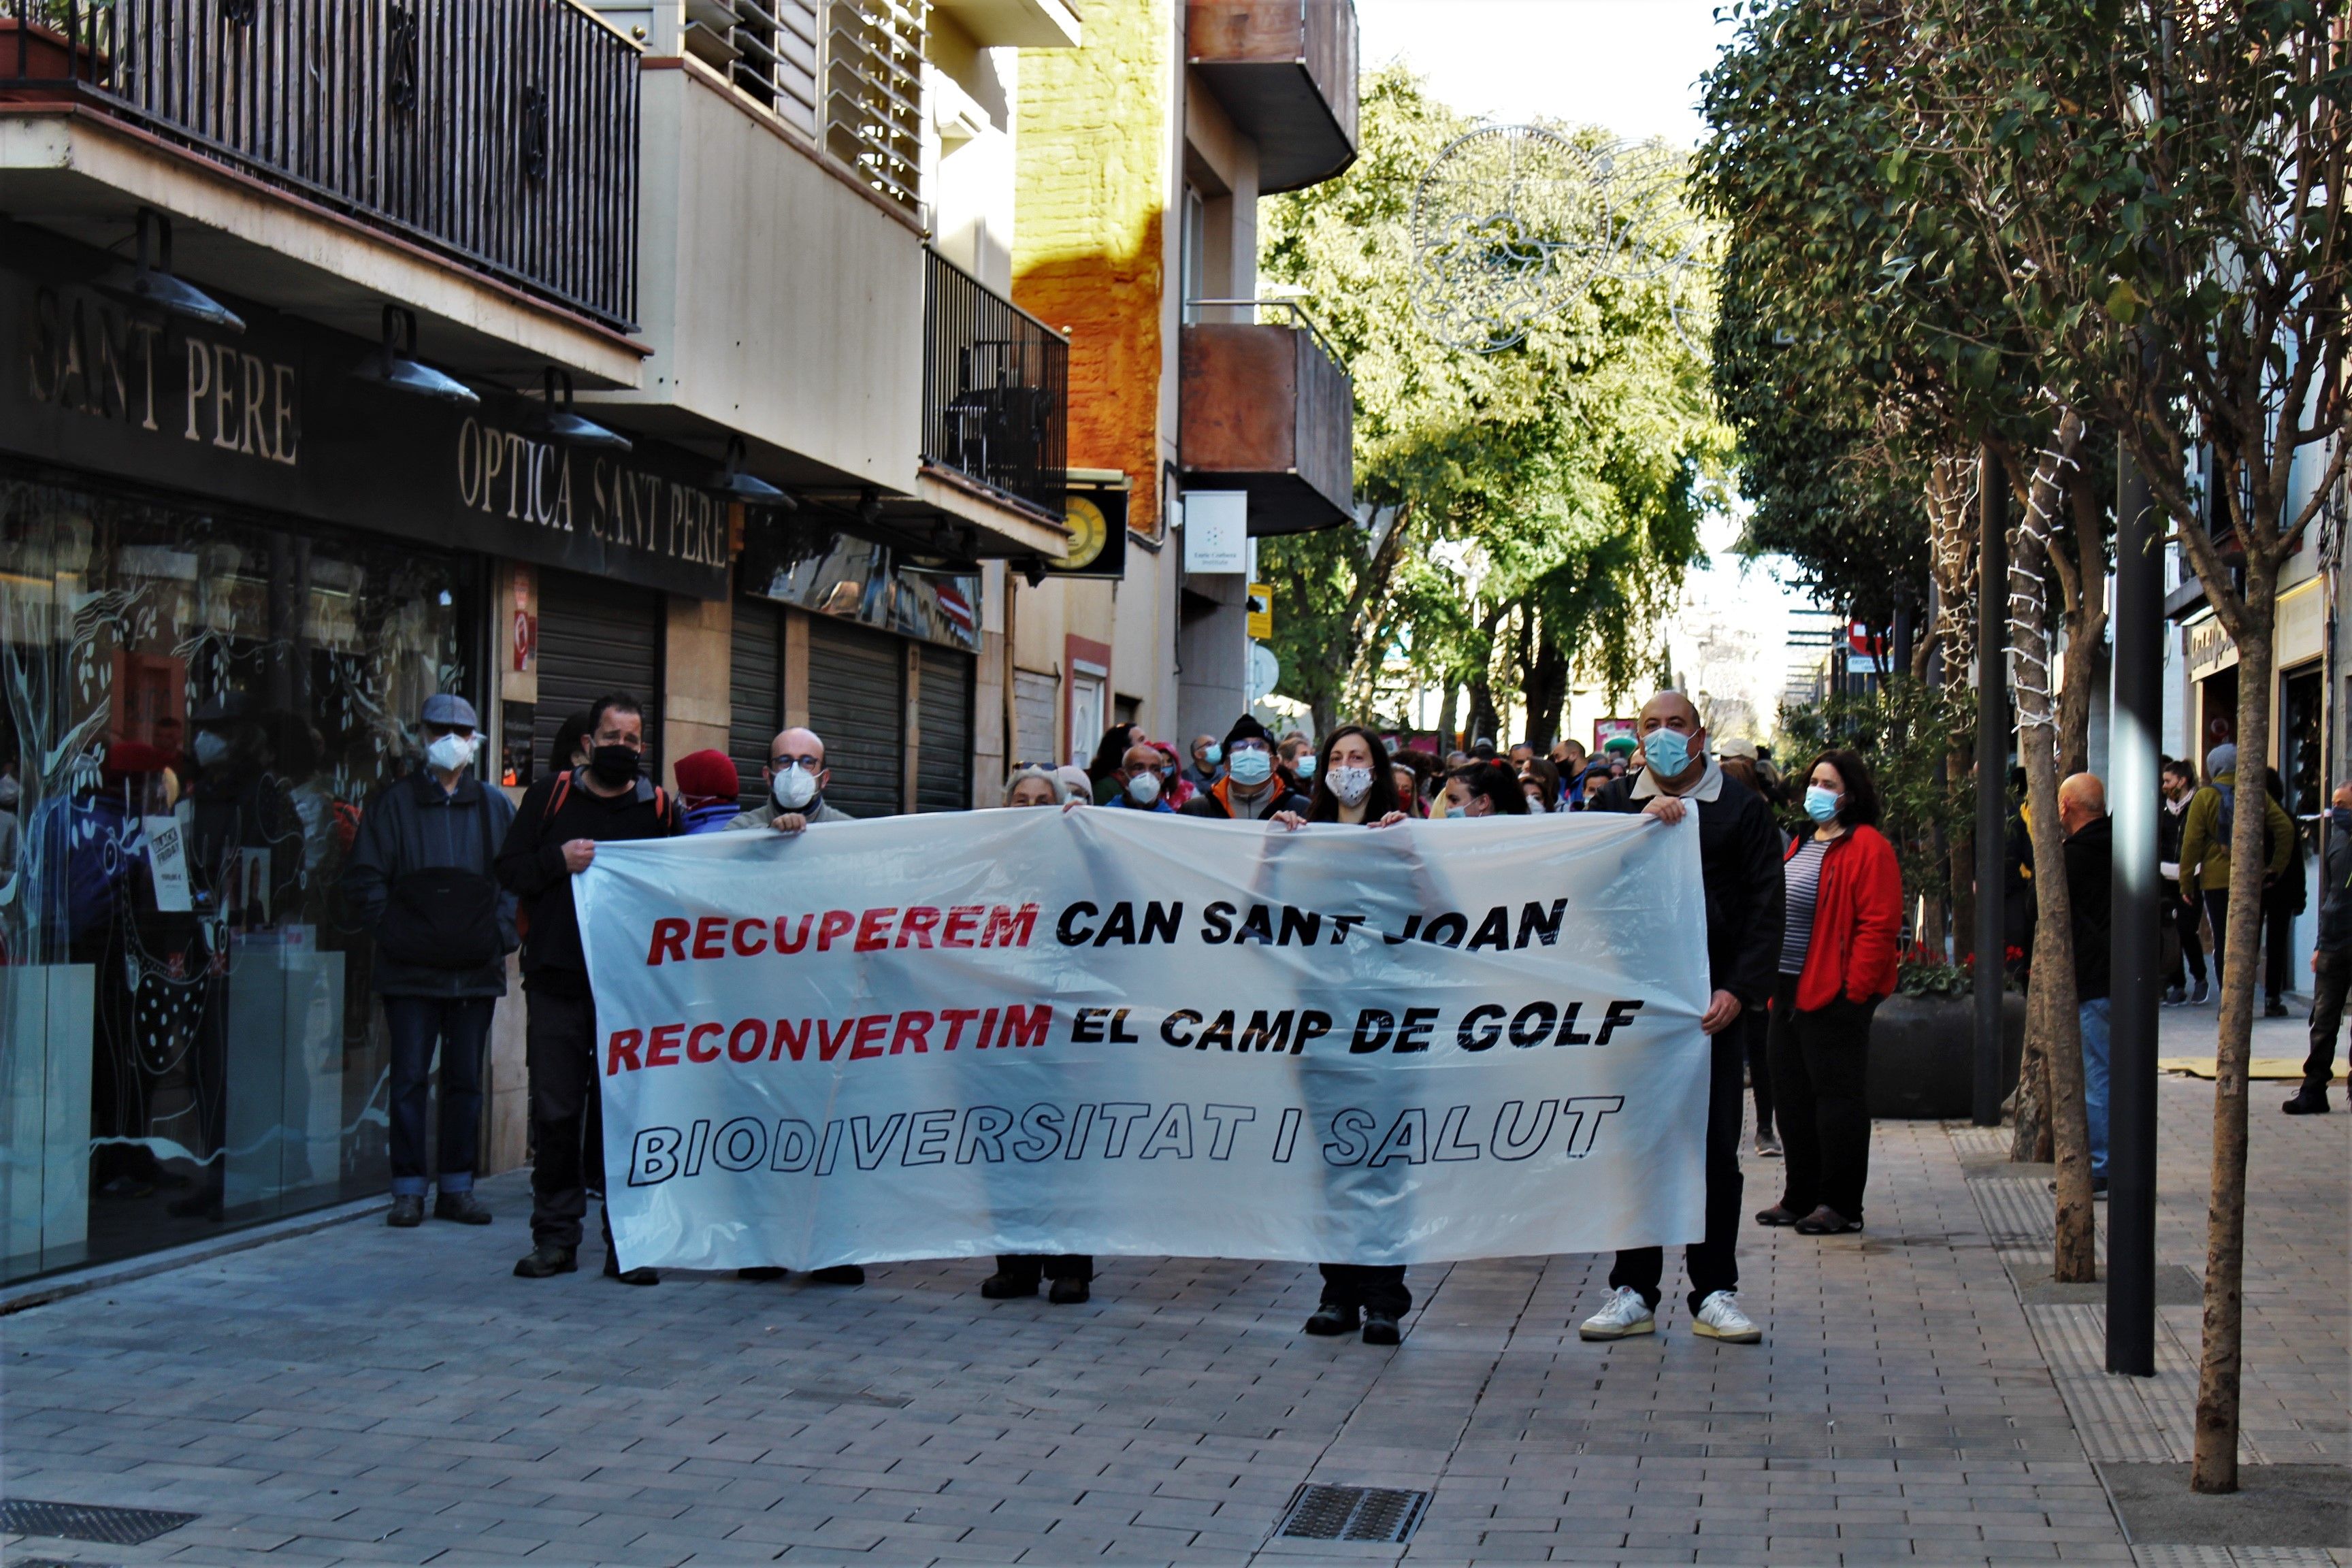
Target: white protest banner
<point x="1125" y="1032"/>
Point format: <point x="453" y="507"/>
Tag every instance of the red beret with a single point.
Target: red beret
<point x="708" y="775"/>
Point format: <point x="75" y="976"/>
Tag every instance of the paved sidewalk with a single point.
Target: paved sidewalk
<point x="361" y="1394"/>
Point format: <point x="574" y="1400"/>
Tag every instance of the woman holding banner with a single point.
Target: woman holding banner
<point x="1017" y="1273"/>
<point x="1354" y="787"/>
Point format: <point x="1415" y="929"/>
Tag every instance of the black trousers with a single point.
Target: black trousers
<point x="1373" y="1287"/>
<point x="2278" y="938"/>
<point x="567" y="1113"/>
<point x="1713" y="1264"/>
<point x="2330" y="982"/>
<point x="2181" y="920"/>
<point x="2217" y="909"/>
<point x="1755" y="1026"/>
<point x="1034" y="1265"/>
<point x="1821" y="1070"/>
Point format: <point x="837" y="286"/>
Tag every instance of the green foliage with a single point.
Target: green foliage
<point x="1903" y="731"/>
<point x="1950" y="982"/>
<point x="1563" y="478"/>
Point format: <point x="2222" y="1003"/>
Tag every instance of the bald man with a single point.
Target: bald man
<point x="2090" y="862"/>
<point x="1739" y="866"/>
<point x="795" y="776"/>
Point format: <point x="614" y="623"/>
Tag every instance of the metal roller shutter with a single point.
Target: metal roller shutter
<point x="857" y="706"/>
<point x="596" y="636"/>
<point x="757" y="679"/>
<point x="943" y="763"/>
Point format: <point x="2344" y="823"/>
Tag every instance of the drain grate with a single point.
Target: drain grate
<point x="1353" y="1513"/>
<point x="84" y="1521"/>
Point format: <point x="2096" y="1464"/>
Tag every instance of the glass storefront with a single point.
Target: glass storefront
<point x="193" y="707"/>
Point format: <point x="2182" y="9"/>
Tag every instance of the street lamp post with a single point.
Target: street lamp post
<point x="2135" y="940"/>
<point x="1992" y="774"/>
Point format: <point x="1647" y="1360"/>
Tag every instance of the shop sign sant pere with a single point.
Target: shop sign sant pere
<point x="274" y="418"/>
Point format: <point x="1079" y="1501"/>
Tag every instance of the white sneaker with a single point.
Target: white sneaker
<point x="1720" y="1318"/>
<point x="1626" y="1314"/>
<point x="1767" y="1146"/>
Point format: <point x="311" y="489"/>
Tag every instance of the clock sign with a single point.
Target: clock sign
<point x="1097" y="520"/>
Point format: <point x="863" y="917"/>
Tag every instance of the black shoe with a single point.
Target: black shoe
<point x="547" y="1260"/>
<point x="1331" y="1320"/>
<point x="407" y="1210"/>
<point x="1068" y="1292"/>
<point x="2098" y="1188"/>
<point x="2309" y="1100"/>
<point x="2197" y="995"/>
<point x="2175" y="995"/>
<point x="613" y="1270"/>
<point x="464" y="1207"/>
<point x="1003" y="1286"/>
<point x="841" y="1274"/>
<point x="762" y="1273"/>
<point x="1826" y="1221"/>
<point x="1380" y="1328"/>
<point x="1778" y="1214"/>
<point x="2274" y="1008"/>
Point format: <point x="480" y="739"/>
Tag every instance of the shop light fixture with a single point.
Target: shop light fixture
<point x="557" y="421"/>
<point x="398" y="368"/>
<point x="732" y="482"/>
<point x="150" y="285"/>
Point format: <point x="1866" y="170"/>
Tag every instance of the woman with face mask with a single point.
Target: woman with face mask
<point x="1018" y="1273"/>
<point x="1838" y="952"/>
<point x="1540" y="781"/>
<point x="1485" y="789"/>
<point x="1109" y="757"/>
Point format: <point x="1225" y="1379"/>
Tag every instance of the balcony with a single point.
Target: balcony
<point x="1285" y="72"/>
<point x="500" y="134"/>
<point x="1267" y="408"/>
<point x="996" y="392"/>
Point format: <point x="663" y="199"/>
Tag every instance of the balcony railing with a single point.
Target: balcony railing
<point x="996" y="389"/>
<point x="502" y="134"/>
<point x="1285" y="72"/>
<point x="1266" y="406"/>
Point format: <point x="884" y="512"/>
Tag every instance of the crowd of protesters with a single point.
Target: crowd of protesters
<point x="1802" y="899"/>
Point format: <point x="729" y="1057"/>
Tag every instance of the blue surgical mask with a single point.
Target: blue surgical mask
<point x="1822" y="804"/>
<point x="1305" y="765"/>
<point x="1668" y="751"/>
<point x="1455" y="811"/>
<point x="2339" y="817"/>
<point x="1252" y="766"/>
<point x="1211" y="755"/>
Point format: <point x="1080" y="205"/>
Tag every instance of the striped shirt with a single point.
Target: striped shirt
<point x="1803" y="872"/>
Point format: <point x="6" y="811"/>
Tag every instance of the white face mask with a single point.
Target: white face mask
<point x="1350" y="785"/>
<point x="207" y="748"/>
<point x="795" y="787"/>
<point x="450" y="753"/>
<point x="1144" y="789"/>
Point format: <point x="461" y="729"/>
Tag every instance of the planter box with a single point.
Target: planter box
<point x="1923" y="1055"/>
<point x="31" y="52"/>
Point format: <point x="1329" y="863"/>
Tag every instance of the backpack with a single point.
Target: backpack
<point x="2228" y="794"/>
<point x="646" y="789"/>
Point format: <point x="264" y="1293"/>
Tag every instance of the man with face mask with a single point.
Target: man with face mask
<point x="556" y="830"/>
<point x="423" y="878"/>
<point x="1254" y="788"/>
<point x="2331" y="960"/>
<point x="1739" y="866"/>
<point x="1206" y="756"/>
<point x="1140" y="787"/>
<point x="796" y="777"/>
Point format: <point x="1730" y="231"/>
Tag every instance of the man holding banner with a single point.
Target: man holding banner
<point x="1739" y="859"/>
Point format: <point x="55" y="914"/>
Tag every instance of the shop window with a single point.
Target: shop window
<point x="198" y="709"/>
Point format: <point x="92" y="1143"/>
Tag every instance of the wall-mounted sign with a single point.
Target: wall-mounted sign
<point x="1261" y="612"/>
<point x="1216" y="530"/>
<point x="860" y="580"/>
<point x="1096" y="518"/>
<point x="2206" y="647"/>
<point x="273" y="419"/>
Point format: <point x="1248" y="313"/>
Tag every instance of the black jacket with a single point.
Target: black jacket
<point x="2335" y="894"/>
<point x="2090" y="863"/>
<point x="1739" y="859"/>
<point x="531" y="863"/>
<point x="414" y="823"/>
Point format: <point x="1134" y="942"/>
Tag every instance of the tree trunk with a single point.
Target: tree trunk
<point x="2086" y="579"/>
<point x="2074" y="1256"/>
<point x="1448" y="711"/>
<point x="2215" y="1466"/>
<point x="1545" y="685"/>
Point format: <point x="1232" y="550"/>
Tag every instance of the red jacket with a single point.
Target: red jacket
<point x="1857" y="921"/>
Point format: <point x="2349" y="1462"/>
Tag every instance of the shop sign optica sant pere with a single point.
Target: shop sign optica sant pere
<point x="273" y="417"/>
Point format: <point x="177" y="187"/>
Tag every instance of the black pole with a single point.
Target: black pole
<point x="2136" y="949"/>
<point x="1992" y="775"/>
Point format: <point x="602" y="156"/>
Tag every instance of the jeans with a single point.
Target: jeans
<point x="567" y="1114"/>
<point x="2093" y="1015"/>
<point x="459" y="1026"/>
<point x="1711" y="1263"/>
<point x="1820" y="1075"/>
<point x="2330" y="978"/>
<point x="2181" y="919"/>
<point x="1375" y="1286"/>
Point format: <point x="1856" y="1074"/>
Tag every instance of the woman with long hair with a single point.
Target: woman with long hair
<point x="1838" y="954"/>
<point x="1110" y="756"/>
<point x="1540" y="781"/>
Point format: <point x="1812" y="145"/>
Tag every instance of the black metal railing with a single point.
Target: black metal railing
<point x="996" y="388"/>
<point x="501" y="132"/>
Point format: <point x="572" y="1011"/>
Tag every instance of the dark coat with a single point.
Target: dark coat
<point x="412" y="823"/>
<point x="2335" y="894"/>
<point x="1740" y="859"/>
<point x="531" y="863"/>
<point x="2090" y="869"/>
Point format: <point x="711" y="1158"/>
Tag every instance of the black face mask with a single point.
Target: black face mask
<point x="615" y="764"/>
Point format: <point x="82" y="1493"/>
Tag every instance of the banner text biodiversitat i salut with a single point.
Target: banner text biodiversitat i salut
<point x="1130" y="1033"/>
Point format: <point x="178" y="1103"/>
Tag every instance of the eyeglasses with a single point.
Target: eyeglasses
<point x="807" y="764"/>
<point x="1249" y="746"/>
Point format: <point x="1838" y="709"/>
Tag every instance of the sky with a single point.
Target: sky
<point x="1632" y="65"/>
